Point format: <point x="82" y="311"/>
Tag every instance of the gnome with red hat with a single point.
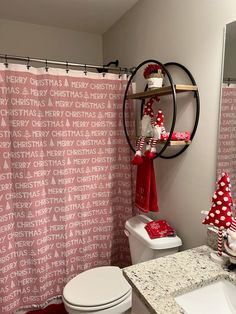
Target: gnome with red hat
<point x="158" y="129"/>
<point x="220" y="214"/>
<point x="147" y="124"/>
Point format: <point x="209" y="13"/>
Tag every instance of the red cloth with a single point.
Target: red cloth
<point x="159" y="229"/>
<point x="176" y="136"/>
<point x="51" y="309"/>
<point x="146" y="194"/>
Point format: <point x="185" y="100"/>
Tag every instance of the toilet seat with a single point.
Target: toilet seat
<point x="126" y="299"/>
<point x="97" y="289"/>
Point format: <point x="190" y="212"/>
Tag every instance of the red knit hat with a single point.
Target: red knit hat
<point x="148" y="106"/>
<point x="224" y="182"/>
<point x="159" y="119"/>
<point x="148" y="110"/>
<point x="220" y="214"/>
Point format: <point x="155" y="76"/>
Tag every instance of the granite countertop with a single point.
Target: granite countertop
<point x="158" y="281"/>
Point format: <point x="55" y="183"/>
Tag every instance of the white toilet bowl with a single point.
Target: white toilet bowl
<point x="104" y="290"/>
<point x="101" y="290"/>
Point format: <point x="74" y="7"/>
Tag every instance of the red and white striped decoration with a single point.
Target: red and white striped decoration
<point x="141" y="142"/>
<point x="154" y="142"/>
<point x="233" y="225"/>
<point x="219" y="243"/>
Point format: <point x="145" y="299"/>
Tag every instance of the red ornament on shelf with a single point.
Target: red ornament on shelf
<point x="151" y="69"/>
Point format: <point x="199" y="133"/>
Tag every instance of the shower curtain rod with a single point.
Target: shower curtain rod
<point x="99" y="68"/>
<point x="229" y="79"/>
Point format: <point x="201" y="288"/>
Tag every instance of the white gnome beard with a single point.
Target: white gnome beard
<point x="157" y="132"/>
<point x="146" y="126"/>
<point x="231" y="235"/>
<point x="232" y="243"/>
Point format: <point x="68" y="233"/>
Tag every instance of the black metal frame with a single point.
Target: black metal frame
<point x="196" y="95"/>
<point x="174" y="103"/>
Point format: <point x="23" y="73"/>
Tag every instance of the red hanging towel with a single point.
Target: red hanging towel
<point x="146" y="194"/>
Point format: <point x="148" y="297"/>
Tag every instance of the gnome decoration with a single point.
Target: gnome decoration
<point x="230" y="244"/>
<point x="146" y="129"/>
<point x="220" y="214"/>
<point x="158" y="129"/>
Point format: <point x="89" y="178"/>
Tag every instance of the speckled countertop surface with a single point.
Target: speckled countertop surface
<point x="158" y="281"/>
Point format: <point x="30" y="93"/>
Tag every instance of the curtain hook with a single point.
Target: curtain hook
<point x="28" y="63"/>
<point x="127" y="73"/>
<point x="46" y="65"/>
<point x="120" y="72"/>
<point x="103" y="74"/>
<point x="85" y="69"/>
<point x="6" y="62"/>
<point x="67" y="67"/>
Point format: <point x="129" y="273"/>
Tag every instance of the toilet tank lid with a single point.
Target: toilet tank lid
<point x="135" y="226"/>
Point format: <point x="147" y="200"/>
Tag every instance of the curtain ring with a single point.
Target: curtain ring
<point x="85" y="69"/>
<point x="28" y="63"/>
<point x="67" y="67"/>
<point x="6" y="62"/>
<point x="46" y="65"/>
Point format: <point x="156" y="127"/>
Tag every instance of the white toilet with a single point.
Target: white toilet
<point x="104" y="290"/>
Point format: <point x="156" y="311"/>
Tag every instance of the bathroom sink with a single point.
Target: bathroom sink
<point x="215" y="298"/>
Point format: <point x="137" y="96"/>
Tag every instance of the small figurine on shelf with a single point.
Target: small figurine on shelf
<point x="159" y="133"/>
<point x="158" y="129"/>
<point x="146" y="129"/>
<point x="154" y="75"/>
<point x="220" y="214"/>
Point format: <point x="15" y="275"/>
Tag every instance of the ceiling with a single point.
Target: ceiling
<point x="94" y="16"/>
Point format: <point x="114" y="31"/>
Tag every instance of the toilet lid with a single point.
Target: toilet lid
<point x="96" y="287"/>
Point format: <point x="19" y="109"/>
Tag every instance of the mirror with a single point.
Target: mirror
<point x="226" y="157"/>
<point x="229" y="70"/>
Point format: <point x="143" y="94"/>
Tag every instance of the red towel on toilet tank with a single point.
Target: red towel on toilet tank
<point x="146" y="194"/>
<point x="159" y="229"/>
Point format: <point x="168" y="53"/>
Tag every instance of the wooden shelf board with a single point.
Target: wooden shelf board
<point x="166" y="90"/>
<point x="175" y="143"/>
<point x="171" y="143"/>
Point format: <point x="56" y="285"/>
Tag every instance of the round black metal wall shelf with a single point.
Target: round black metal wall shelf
<point x="172" y="89"/>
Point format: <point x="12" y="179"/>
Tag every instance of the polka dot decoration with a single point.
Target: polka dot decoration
<point x="220" y="214"/>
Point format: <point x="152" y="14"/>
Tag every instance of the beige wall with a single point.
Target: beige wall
<point x="38" y="41"/>
<point x="191" y="33"/>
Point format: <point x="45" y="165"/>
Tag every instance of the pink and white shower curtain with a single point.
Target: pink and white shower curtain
<point x="65" y="180"/>
<point x="226" y="158"/>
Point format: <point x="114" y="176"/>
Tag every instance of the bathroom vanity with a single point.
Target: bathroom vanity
<point x="157" y="282"/>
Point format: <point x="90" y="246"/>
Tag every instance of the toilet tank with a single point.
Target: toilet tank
<point x="142" y="247"/>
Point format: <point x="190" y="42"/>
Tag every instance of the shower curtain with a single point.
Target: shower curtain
<point x="65" y="180"/>
<point x="226" y="158"/>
